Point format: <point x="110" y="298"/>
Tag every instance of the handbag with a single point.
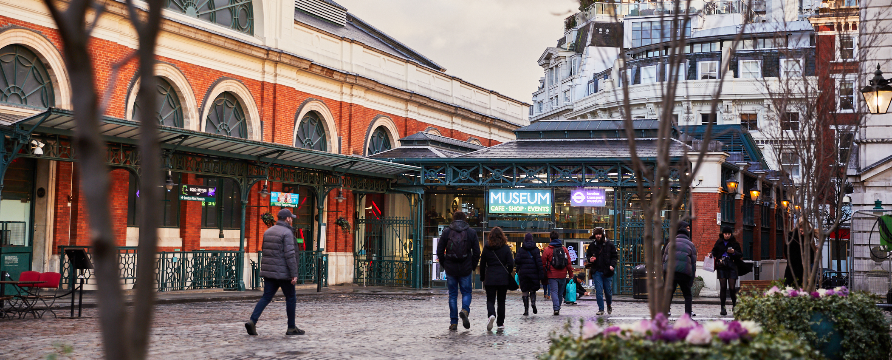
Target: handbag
<point x="513" y="286"/>
<point x="709" y="263"/>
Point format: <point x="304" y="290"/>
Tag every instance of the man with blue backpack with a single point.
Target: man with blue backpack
<point x="458" y="251"/>
<point x="556" y="260"/>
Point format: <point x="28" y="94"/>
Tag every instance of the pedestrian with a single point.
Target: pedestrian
<point x="556" y="260"/>
<point x="601" y="256"/>
<point x="793" y="254"/>
<point x="727" y="253"/>
<point x="530" y="272"/>
<point x="278" y="268"/>
<point x="685" y="264"/>
<point x="496" y="265"/>
<point x="579" y="285"/>
<point x="459" y="252"/>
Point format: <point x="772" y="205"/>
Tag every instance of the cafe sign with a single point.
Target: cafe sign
<point x="198" y="193"/>
<point x="283" y="199"/>
<point x="520" y="201"/>
<point x="588" y="197"/>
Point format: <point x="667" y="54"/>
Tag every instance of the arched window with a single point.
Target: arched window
<point x="226" y="117"/>
<point x="379" y="142"/>
<point x="311" y="133"/>
<point x="24" y="79"/>
<point x="169" y="113"/>
<point x="237" y="15"/>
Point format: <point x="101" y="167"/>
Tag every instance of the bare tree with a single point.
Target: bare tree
<point x="814" y="121"/>
<point x="664" y="181"/>
<point x="125" y="334"/>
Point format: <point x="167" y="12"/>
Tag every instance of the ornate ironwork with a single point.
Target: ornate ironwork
<point x="126" y="263"/>
<point x="310" y="133"/>
<point x="170" y="112"/>
<point x="23" y="78"/>
<point x="379" y="142"/>
<point x="226" y="117"/>
<point x="237" y="15"/>
<point x="384" y="251"/>
<point x="522" y="174"/>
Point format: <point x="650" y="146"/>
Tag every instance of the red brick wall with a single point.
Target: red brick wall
<point x="705" y="207"/>
<point x="62" y="220"/>
<point x="190" y="217"/>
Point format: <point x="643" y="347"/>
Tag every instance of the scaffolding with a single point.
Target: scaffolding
<point x="869" y="273"/>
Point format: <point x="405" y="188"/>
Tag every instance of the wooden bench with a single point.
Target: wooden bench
<point x="754" y="285"/>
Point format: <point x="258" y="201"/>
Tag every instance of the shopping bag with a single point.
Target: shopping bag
<point x="709" y="264"/>
<point x="570" y="294"/>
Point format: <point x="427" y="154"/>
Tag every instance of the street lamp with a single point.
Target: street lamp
<point x="264" y="191"/>
<point x="732" y="186"/>
<point x="878" y="94"/>
<point x="168" y="183"/>
<point x="754" y="193"/>
<point x="785" y="204"/>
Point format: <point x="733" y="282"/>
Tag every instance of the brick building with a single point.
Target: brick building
<point x="305" y="84"/>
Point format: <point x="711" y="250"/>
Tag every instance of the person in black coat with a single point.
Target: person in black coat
<point x="601" y="257"/>
<point x="529" y="272"/>
<point x="496" y="264"/>
<point x="727" y="254"/>
<point x="793" y="254"/>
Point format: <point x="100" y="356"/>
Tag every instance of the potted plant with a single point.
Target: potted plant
<point x="698" y="285"/>
<point x="835" y="322"/>
<point x="343" y="223"/>
<point x="685" y="339"/>
<point x="268" y="219"/>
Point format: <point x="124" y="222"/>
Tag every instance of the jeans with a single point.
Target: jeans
<point x="270" y="286"/>
<point x="684" y="281"/>
<point x="493" y="292"/>
<point x="603" y="285"/>
<point x="557" y="288"/>
<point x="454" y="283"/>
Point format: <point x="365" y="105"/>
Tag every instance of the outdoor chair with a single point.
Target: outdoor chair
<point x="36" y="293"/>
<point x="50" y="281"/>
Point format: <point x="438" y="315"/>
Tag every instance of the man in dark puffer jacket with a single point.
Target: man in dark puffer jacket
<point x="685" y="264"/>
<point x="278" y="269"/>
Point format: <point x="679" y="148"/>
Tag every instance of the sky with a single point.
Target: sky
<point x="490" y="43"/>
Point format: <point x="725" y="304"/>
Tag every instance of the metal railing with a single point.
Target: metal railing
<point x="306" y="268"/>
<point x="174" y="270"/>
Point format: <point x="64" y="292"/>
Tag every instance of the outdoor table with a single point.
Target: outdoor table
<point x="20" y="286"/>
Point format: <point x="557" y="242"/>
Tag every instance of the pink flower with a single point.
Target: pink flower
<point x="772" y="291"/>
<point x="728" y="336"/>
<point x="815" y="294"/>
<point x="794" y="293"/>
<point x="590" y="330"/>
<point x="685" y="322"/>
<point x="698" y="336"/>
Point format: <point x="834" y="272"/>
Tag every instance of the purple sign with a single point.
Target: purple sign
<point x="588" y="197"/>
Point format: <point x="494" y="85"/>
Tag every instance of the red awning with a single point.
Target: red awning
<point x="843" y="234"/>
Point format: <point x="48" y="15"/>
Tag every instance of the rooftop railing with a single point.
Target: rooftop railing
<point x="621" y="10"/>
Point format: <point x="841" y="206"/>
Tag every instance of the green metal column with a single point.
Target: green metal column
<point x="241" y="247"/>
<point x="419" y="240"/>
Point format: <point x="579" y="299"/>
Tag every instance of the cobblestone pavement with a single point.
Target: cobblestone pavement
<point x="338" y="326"/>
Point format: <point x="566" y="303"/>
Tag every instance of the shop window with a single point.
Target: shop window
<point x="304" y="224"/>
<point x="379" y="142"/>
<point x="749" y="121"/>
<point x="708" y="70"/>
<point x="227" y="117"/>
<point x="170" y="112"/>
<point x="225" y="211"/>
<point x="311" y="133"/>
<point x="750" y="69"/>
<point x="25" y="80"/>
<point x="237" y="15"/>
<point x="168" y="211"/>
<point x="790" y="121"/>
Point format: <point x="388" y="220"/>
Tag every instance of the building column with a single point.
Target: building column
<point x="190" y="217"/>
<point x="706" y="192"/>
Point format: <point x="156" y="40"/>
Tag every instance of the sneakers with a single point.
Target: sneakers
<point x="294" y="331"/>
<point x="609" y="310"/>
<point x="500" y="328"/>
<point x="557" y="312"/>
<point x="453" y="327"/>
<point x="251" y="327"/>
<point x="463" y="314"/>
<point x="600" y="313"/>
<point x="492" y="319"/>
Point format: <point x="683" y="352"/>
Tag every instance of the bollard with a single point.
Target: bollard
<point x="319" y="274"/>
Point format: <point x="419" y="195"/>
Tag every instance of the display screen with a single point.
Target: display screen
<point x="520" y="201"/>
<point x="588" y="197"/>
<point x="283" y="199"/>
<point x="197" y="193"/>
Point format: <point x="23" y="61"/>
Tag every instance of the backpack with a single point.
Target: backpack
<point x="457" y="247"/>
<point x="559" y="258"/>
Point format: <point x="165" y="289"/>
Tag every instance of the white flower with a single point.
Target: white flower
<point x="590" y="330"/>
<point x="684" y="322"/>
<point x="804" y="293"/>
<point x="772" y="291"/>
<point x="751" y="327"/>
<point x="715" y="327"/>
<point x="822" y="292"/>
<point x="699" y="336"/>
<point x="838" y="288"/>
<point x="642" y="327"/>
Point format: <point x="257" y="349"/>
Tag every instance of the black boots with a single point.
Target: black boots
<point x="733" y="297"/>
<point x="723" y="312"/>
<point x="533" y="305"/>
<point x="526" y="306"/>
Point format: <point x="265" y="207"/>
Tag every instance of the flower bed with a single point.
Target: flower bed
<point x="851" y="320"/>
<point x="685" y="339"/>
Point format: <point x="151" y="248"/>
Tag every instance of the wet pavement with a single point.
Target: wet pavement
<point x="338" y="326"/>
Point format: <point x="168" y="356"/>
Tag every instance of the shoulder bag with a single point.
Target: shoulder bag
<point x="513" y="285"/>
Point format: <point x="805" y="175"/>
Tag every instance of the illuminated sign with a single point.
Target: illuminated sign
<point x="283" y="199"/>
<point x="588" y="197"/>
<point x="521" y="201"/>
<point x="198" y="193"/>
